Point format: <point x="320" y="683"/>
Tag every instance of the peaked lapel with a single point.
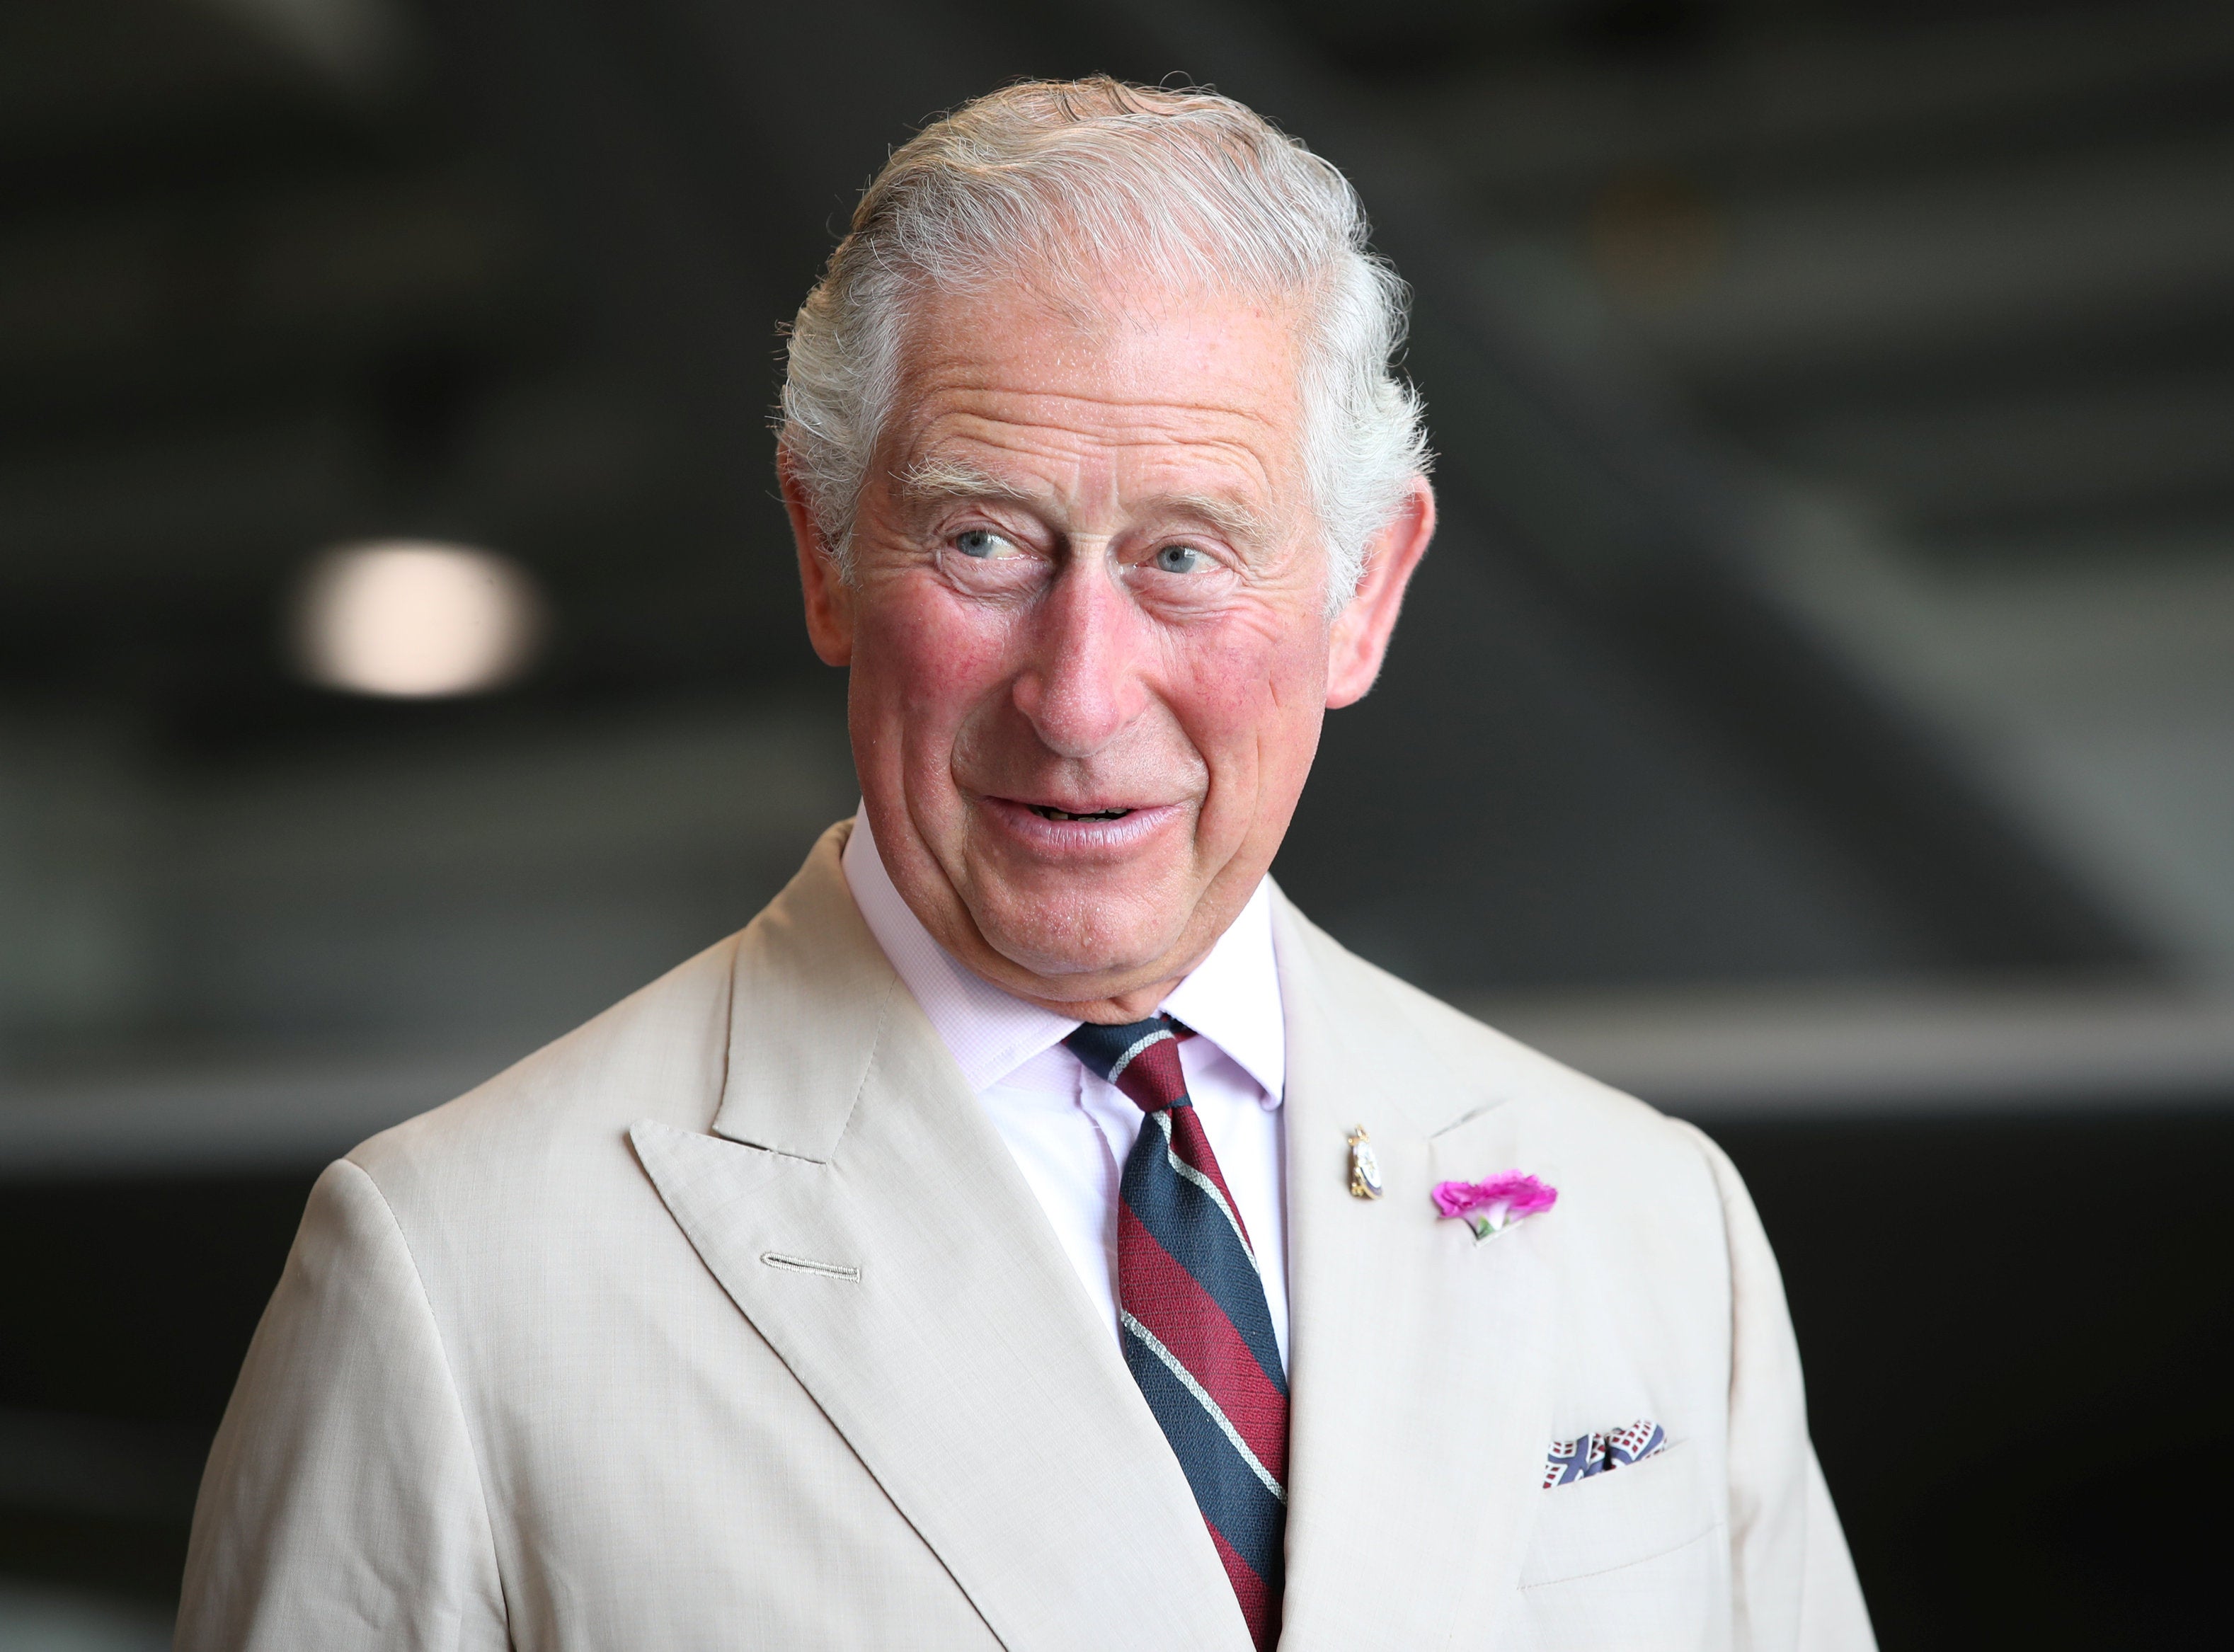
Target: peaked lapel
<point x="856" y="1203"/>
<point x="1421" y="1363"/>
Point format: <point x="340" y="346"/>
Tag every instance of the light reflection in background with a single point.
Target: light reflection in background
<point x="415" y="619"/>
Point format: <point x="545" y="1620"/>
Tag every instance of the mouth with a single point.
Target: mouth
<point x="1076" y="834"/>
<point x="1049" y="812"/>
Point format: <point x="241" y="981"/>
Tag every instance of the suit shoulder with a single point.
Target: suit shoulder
<point x="1573" y="1102"/>
<point x="658" y="1052"/>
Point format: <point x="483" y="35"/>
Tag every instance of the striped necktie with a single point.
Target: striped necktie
<point x="1196" y="1331"/>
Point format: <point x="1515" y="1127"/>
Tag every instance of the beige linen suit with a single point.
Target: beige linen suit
<point x="728" y="1322"/>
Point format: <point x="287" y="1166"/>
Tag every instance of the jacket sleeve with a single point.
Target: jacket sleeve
<point x="1792" y="1583"/>
<point x="342" y="1506"/>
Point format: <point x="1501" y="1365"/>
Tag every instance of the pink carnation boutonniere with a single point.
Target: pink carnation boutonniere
<point x="1491" y="1207"/>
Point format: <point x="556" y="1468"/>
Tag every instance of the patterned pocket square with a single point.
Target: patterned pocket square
<point x="1578" y="1459"/>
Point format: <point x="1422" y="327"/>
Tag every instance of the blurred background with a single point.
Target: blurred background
<point x="1817" y="714"/>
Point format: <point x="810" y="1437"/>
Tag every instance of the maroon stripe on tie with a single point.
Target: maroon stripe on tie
<point x="1154" y="1078"/>
<point x="1163" y="1296"/>
<point x="1258" y="1609"/>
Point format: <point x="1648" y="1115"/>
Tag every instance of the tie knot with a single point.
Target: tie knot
<point x="1140" y="1058"/>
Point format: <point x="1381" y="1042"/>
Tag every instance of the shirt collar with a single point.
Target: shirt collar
<point x="1232" y="998"/>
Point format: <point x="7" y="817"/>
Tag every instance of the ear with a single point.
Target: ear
<point x="829" y="598"/>
<point x="1358" y="640"/>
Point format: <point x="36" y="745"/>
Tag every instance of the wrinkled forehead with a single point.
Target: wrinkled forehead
<point x="1183" y="388"/>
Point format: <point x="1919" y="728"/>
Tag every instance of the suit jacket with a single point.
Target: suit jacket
<point x="728" y="1322"/>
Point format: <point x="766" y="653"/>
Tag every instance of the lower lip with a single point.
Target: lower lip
<point x="1079" y="840"/>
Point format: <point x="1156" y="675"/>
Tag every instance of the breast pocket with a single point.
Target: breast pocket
<point x="1633" y="1558"/>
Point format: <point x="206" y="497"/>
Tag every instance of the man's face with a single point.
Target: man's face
<point x="1088" y="633"/>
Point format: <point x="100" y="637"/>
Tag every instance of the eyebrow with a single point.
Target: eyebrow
<point x="1234" y="520"/>
<point x="931" y="480"/>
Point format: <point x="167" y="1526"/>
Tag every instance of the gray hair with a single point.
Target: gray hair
<point x="1095" y="175"/>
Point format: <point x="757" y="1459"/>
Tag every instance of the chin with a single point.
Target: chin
<point x="1088" y="947"/>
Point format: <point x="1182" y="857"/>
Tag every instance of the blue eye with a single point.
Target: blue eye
<point x="981" y="543"/>
<point x="1178" y="558"/>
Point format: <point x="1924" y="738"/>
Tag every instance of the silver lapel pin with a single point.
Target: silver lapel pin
<point x="1364" y="1168"/>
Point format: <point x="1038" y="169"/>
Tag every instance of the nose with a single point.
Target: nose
<point x="1082" y="683"/>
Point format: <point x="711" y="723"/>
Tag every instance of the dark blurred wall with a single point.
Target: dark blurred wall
<point x="1831" y="404"/>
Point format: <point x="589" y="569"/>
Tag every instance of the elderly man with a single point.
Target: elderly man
<point x="1030" y="1232"/>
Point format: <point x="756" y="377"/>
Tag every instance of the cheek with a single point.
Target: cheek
<point x="1254" y="695"/>
<point x="924" y="662"/>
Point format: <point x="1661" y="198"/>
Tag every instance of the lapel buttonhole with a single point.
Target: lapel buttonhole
<point x="808" y="1264"/>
